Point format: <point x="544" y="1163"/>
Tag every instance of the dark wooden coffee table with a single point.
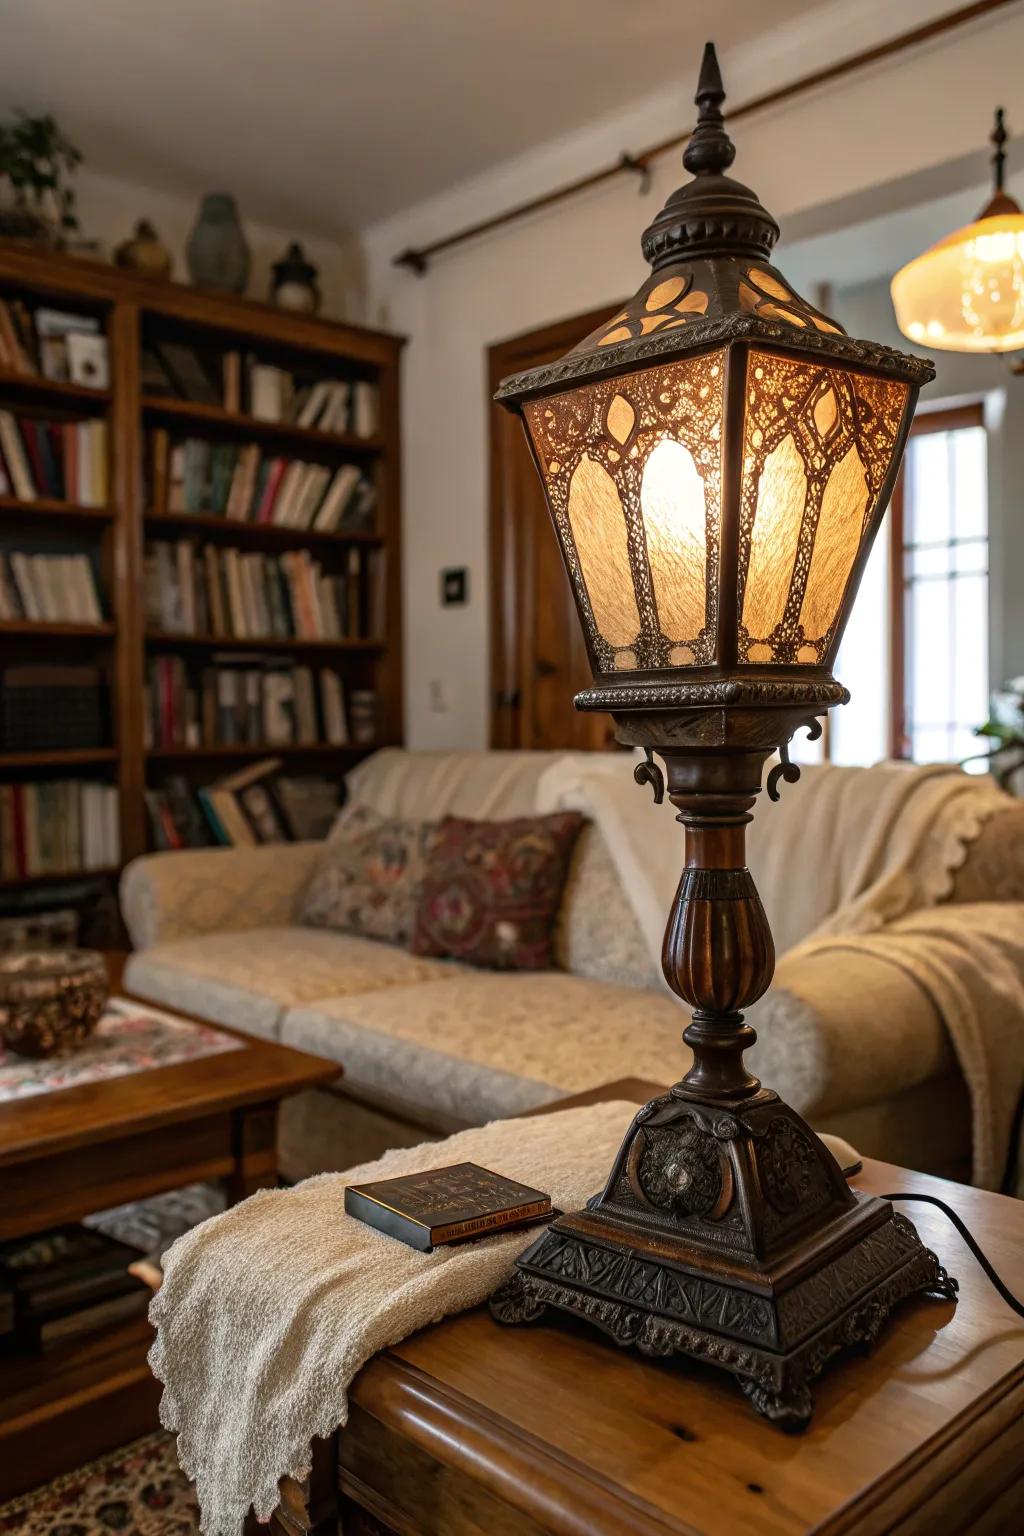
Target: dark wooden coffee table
<point x="469" y="1427"/>
<point x="69" y="1153"/>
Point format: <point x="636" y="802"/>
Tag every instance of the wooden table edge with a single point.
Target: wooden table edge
<point x="299" y="1069"/>
<point x="452" y="1429"/>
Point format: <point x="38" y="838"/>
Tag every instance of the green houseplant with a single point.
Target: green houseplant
<point x="37" y="164"/>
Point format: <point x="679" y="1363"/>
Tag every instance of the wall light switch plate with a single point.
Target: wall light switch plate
<point x="454" y="586"/>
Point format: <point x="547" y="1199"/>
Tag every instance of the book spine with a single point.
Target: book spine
<point x="492" y="1222"/>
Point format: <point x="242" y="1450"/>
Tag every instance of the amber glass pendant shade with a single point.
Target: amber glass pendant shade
<point x="967" y="293"/>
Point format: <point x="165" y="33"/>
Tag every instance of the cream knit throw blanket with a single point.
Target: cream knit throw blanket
<point x="856" y="861"/>
<point x="267" y="1312"/>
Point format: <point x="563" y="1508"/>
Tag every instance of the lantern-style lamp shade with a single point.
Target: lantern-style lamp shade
<point x="717" y="456"/>
<point x="967" y="293"/>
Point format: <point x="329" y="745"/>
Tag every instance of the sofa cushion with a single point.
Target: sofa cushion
<point x="367" y="879"/>
<point x="485" y="1045"/>
<point x="247" y="979"/>
<point x="598" y="935"/>
<point x="491" y="890"/>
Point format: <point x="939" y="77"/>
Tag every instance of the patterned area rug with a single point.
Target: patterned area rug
<point x="137" y="1491"/>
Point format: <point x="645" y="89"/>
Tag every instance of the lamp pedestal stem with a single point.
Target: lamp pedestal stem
<point x="726" y="1230"/>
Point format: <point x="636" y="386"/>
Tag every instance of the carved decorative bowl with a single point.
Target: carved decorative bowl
<point x="50" y="1000"/>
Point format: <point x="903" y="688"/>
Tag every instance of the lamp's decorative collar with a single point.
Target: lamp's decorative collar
<point x="712" y="215"/>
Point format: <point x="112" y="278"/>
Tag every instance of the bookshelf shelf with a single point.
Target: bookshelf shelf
<point x="33" y="630"/>
<point x="257" y="643"/>
<point x="122" y="656"/>
<point x="46" y="510"/>
<point x="36" y="387"/>
<point x="195" y="415"/>
<point x="108" y="872"/>
<point x="274" y="535"/>
<point x="264" y="749"/>
<point x="68" y="757"/>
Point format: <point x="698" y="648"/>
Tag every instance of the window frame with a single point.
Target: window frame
<point x="946" y="419"/>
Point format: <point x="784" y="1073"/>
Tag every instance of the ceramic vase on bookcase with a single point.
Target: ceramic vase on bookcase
<point x="217" y="252"/>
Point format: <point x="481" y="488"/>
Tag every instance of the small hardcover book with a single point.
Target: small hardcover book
<point x="446" y="1205"/>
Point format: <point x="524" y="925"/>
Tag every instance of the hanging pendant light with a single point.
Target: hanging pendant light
<point x="967" y="293"/>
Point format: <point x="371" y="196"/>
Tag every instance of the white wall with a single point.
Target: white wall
<point x="893" y="121"/>
<point x="108" y="209"/>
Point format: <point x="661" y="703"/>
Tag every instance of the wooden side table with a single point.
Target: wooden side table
<point x="471" y="1428"/>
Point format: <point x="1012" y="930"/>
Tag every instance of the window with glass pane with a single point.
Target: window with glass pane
<point x="942" y="555"/>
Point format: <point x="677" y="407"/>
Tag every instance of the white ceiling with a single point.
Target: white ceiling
<point x="326" y="115"/>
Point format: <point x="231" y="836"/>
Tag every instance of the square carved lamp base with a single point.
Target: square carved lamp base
<point x="727" y="1232"/>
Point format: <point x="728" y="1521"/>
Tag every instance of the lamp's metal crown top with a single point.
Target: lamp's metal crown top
<point x="712" y="215"/>
<point x="712" y="282"/>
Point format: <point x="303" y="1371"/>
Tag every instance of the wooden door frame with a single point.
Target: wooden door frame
<point x="509" y="537"/>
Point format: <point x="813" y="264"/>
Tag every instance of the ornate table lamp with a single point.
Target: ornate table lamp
<point x="717" y="459"/>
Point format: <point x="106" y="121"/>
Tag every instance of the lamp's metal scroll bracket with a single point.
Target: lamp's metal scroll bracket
<point x="648" y="772"/>
<point x="786" y="770"/>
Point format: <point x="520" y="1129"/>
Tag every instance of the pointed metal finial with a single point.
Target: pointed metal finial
<point x="712" y="215"/>
<point x="710" y="90"/>
<point x="710" y="151"/>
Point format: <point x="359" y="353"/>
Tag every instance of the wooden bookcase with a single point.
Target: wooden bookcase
<point x="131" y="308"/>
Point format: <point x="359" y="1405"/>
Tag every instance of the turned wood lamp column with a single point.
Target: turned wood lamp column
<point x="718" y="953"/>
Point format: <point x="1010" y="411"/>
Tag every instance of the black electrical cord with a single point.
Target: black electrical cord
<point x="1007" y="1295"/>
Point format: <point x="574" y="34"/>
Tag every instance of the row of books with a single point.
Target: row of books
<point x="60" y="346"/>
<point x="244" y="484"/>
<point x="63" y="460"/>
<point x="252" y="701"/>
<point x="58" y="826"/>
<point x="242" y="383"/>
<point x="255" y="805"/>
<point x="70" y="1281"/>
<point x="49" y="589"/>
<point x="204" y="590"/>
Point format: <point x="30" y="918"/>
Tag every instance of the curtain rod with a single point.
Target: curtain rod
<point x="418" y="258"/>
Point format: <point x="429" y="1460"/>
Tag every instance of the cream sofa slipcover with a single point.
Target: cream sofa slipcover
<point x="430" y="1046"/>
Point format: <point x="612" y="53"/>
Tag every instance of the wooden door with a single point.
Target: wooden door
<point x="538" y="659"/>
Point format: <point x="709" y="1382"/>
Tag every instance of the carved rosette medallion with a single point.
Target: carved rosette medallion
<point x="681" y="1170"/>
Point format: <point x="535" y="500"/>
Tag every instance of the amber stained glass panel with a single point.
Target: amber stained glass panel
<point x="818" y="443"/>
<point x="632" y="471"/>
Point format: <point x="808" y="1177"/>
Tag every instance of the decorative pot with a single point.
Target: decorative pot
<point x="22" y="224"/>
<point x="293" y="285"/>
<point x="145" y="252"/>
<point x="50" y="1000"/>
<point x="217" y="253"/>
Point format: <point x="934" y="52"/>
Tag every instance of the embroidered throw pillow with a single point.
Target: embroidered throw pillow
<point x="491" y="890"/>
<point x="367" y="878"/>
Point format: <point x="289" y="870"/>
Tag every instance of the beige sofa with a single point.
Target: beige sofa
<point x="430" y="1046"/>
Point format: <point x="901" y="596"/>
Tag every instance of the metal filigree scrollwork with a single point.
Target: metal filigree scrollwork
<point x="790" y="1165"/>
<point x="706" y="330"/>
<point x="648" y="772"/>
<point x="783" y="769"/>
<point x="786" y="770"/>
